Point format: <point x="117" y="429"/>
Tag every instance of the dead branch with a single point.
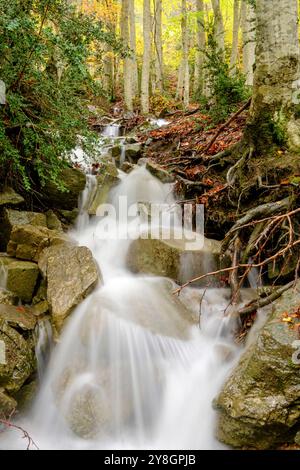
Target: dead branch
<point x="223" y="127"/>
<point x="25" y="435"/>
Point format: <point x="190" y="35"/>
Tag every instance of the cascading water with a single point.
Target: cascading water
<point x="132" y="368"/>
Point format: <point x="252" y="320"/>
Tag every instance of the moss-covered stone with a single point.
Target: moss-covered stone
<point x="7" y="405"/>
<point x="25" y="396"/>
<point x="74" y="182"/>
<point x="17" y="358"/>
<point x="19" y="317"/>
<point x="259" y="404"/>
<point x="107" y="178"/>
<point x="13" y="217"/>
<point x="9" y="197"/>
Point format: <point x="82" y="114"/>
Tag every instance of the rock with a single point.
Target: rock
<point x="27" y="242"/>
<point x="7" y="405"/>
<point x="7" y="297"/>
<point x="172" y="258"/>
<point x="133" y="152"/>
<point x="53" y="222"/>
<point x="9" y="197"/>
<point x="107" y="178"/>
<point x="163" y="175"/>
<point x="71" y="274"/>
<point x="116" y="152"/>
<point x="25" y="395"/>
<point x="19" y="317"/>
<point x="297" y="438"/>
<point x="74" y="181"/>
<point x="69" y="217"/>
<point x="13" y="217"/>
<point x="258" y="406"/>
<point x="21" y="277"/>
<point x="16" y="358"/>
<point x="127" y="167"/>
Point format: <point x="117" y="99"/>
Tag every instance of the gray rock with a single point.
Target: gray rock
<point x="71" y="274"/>
<point x="21" y="277"/>
<point x="13" y="217"/>
<point x="259" y="403"/>
<point x="19" y="317"/>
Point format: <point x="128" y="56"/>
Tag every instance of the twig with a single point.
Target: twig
<point x="7" y="423"/>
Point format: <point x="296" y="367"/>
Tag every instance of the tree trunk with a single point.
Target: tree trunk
<point x="146" y="57"/>
<point x="158" y="46"/>
<point x="219" y="33"/>
<point x="127" y="71"/>
<point x="179" y="89"/>
<point x="248" y="22"/>
<point x="185" y="55"/>
<point x="235" y="38"/>
<point x="135" y="77"/>
<point x="276" y="78"/>
<point x="200" y="41"/>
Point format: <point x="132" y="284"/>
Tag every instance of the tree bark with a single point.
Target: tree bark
<point x="135" y="77"/>
<point x="219" y="33"/>
<point x="200" y="42"/>
<point x="146" y="57"/>
<point x="127" y="67"/>
<point x="158" y="45"/>
<point x="248" y="23"/>
<point x="276" y="79"/>
<point x="235" y="38"/>
<point x="185" y="55"/>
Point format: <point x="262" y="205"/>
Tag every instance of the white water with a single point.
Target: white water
<point x="132" y="368"/>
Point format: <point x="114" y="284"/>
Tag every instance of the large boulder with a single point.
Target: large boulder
<point x="133" y="152"/>
<point x="21" y="277"/>
<point x="259" y="403"/>
<point x="17" y="361"/>
<point x="9" y="197"/>
<point x="18" y="317"/>
<point x="74" y="182"/>
<point x="175" y="259"/>
<point x="27" y="241"/>
<point x="71" y="274"/>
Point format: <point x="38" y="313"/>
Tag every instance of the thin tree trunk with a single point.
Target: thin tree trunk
<point x="219" y="33"/>
<point x="185" y="55"/>
<point x="127" y="71"/>
<point x="158" y="45"/>
<point x="179" y="89"/>
<point x="276" y="78"/>
<point x="235" y="37"/>
<point x="146" y="57"/>
<point x="135" y="78"/>
<point x="200" y="42"/>
<point x="248" y="22"/>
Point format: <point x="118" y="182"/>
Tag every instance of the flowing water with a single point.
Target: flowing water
<point x="136" y="366"/>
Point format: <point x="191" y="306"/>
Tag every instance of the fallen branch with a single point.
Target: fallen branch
<point x="7" y="423"/>
<point x="223" y="127"/>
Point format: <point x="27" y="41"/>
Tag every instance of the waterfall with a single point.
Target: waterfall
<point x="3" y="275"/>
<point x="44" y="343"/>
<point x="132" y="368"/>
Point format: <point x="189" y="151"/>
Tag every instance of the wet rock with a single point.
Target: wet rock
<point x="71" y="274"/>
<point x="127" y="167"/>
<point x="25" y="396"/>
<point x="21" y="277"/>
<point x="156" y="170"/>
<point x="133" y="152"/>
<point x="17" y="361"/>
<point x="258" y="406"/>
<point x="18" y="317"/>
<point x="107" y="178"/>
<point x="69" y="217"/>
<point x="297" y="438"/>
<point x="27" y="242"/>
<point x="175" y="259"/>
<point x="74" y="181"/>
<point x="9" y="197"/>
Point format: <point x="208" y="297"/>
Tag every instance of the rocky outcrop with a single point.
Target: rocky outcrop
<point x="11" y="217"/>
<point x="21" y="277"/>
<point x="74" y="183"/>
<point x="133" y="152"/>
<point x="259" y="405"/>
<point x="156" y="170"/>
<point x="71" y="274"/>
<point x="27" y="241"/>
<point x="18" y="317"/>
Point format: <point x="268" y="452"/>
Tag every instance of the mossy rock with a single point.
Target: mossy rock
<point x="9" y="197"/>
<point x="74" y="181"/>
<point x="21" y="277"/>
<point x="17" y="360"/>
<point x="259" y="403"/>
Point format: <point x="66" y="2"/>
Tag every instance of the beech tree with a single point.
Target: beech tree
<point x="219" y="33"/>
<point x="235" y="37"/>
<point x="200" y="43"/>
<point x="127" y="70"/>
<point x="158" y="45"/>
<point x="146" y="57"/>
<point x="248" y="24"/>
